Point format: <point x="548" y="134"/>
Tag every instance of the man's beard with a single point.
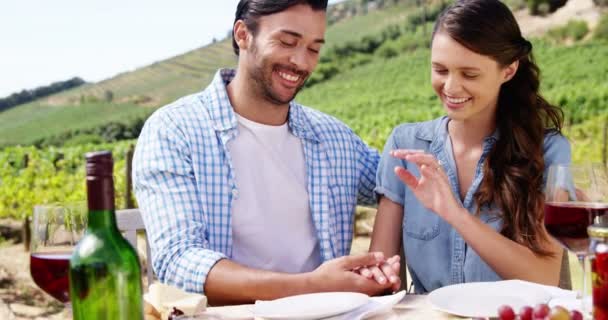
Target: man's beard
<point x="261" y="77"/>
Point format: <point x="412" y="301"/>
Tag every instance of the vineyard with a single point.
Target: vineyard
<point x="140" y="91"/>
<point x="372" y="84"/>
<point x="30" y="176"/>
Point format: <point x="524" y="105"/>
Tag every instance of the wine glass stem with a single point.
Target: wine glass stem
<point x="583" y="261"/>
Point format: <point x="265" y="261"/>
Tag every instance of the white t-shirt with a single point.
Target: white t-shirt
<point x="272" y="227"/>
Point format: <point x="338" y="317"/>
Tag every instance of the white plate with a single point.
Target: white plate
<point x="310" y="306"/>
<point x="482" y="299"/>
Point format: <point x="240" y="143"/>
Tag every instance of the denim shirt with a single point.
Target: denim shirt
<point x="436" y="254"/>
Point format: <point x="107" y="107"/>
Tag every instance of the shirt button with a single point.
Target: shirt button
<point x="235" y="193"/>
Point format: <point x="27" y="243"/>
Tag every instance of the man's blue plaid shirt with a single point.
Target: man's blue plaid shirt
<point x="185" y="183"/>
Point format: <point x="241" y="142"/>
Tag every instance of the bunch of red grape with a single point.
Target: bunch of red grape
<point x="539" y="312"/>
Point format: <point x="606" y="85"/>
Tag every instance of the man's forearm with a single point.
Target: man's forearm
<point x="231" y="283"/>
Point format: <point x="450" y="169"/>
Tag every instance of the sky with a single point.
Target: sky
<point x="43" y="41"/>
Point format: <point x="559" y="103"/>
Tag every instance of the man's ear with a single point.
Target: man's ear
<point x="510" y="70"/>
<point x="241" y="35"/>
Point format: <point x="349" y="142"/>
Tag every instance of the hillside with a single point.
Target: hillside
<point x="133" y="95"/>
<point x="137" y="93"/>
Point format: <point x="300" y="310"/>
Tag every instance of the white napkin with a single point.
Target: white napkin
<point x="324" y="305"/>
<point x="375" y="306"/>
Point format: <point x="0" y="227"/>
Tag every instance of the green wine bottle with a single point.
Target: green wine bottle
<point x="105" y="275"/>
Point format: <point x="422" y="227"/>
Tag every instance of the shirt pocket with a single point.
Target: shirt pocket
<point x="419" y="222"/>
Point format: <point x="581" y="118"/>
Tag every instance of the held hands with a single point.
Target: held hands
<point x="433" y="188"/>
<point x="338" y="275"/>
<point x="384" y="273"/>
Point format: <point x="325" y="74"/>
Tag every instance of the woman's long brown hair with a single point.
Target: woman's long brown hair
<point x="513" y="170"/>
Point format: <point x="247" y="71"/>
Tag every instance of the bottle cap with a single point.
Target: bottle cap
<point x="99" y="163"/>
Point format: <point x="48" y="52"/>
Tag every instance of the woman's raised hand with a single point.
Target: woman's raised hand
<point x="433" y="187"/>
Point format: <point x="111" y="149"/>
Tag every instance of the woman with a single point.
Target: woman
<point x="465" y="192"/>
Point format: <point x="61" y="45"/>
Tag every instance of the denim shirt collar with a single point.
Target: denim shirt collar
<point x="438" y="128"/>
<point x="223" y="116"/>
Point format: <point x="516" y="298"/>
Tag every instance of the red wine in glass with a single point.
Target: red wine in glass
<point x="50" y="272"/>
<point x="568" y="221"/>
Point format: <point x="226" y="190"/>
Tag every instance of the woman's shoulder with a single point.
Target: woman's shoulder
<point x="556" y="147"/>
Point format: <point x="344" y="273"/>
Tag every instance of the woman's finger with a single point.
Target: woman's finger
<point x="430" y="171"/>
<point x="365" y="272"/>
<point x="402" y="153"/>
<point x="423" y="158"/>
<point x="378" y="275"/>
<point x="389" y="273"/>
<point x="407" y="177"/>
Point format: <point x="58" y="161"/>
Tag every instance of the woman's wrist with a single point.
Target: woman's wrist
<point x="457" y="215"/>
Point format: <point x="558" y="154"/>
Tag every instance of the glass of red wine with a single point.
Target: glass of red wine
<point x="576" y="196"/>
<point x="55" y="231"/>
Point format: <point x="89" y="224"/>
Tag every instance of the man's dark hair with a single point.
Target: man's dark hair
<point x="250" y="10"/>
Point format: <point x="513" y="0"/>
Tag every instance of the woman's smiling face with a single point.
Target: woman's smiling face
<point x="467" y="83"/>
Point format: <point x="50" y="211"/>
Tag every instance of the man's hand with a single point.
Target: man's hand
<point x="338" y="275"/>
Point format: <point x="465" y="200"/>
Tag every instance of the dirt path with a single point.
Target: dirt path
<point x="573" y="10"/>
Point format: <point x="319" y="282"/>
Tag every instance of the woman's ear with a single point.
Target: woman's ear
<point x="241" y="35"/>
<point x="510" y="70"/>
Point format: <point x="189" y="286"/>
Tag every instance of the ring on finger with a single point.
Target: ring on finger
<point x="439" y="165"/>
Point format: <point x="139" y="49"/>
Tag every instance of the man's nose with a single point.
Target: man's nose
<point x="300" y="59"/>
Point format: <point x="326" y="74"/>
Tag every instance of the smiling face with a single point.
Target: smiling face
<point x="283" y="52"/>
<point x="467" y="83"/>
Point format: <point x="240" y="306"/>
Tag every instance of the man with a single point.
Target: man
<point x="247" y="195"/>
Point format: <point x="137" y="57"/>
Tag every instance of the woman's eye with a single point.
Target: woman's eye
<point x="470" y="75"/>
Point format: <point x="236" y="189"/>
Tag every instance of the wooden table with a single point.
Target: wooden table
<point x="412" y="307"/>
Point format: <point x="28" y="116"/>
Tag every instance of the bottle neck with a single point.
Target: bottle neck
<point x="100" y="195"/>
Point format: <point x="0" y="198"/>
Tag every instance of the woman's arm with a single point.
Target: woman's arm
<point x="507" y="258"/>
<point x="510" y="260"/>
<point x="386" y="237"/>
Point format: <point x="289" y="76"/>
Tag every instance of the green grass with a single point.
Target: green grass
<point x="353" y="29"/>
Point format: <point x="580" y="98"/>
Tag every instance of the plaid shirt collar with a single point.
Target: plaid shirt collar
<point x="224" y="119"/>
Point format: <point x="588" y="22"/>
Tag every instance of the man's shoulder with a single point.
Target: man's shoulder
<point x="183" y="110"/>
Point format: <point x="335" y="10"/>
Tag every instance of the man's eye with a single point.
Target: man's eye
<point x="313" y="50"/>
<point x="288" y="44"/>
<point x="441" y="71"/>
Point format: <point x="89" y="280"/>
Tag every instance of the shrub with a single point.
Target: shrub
<point x="601" y="3"/>
<point x="537" y="7"/>
<point x="388" y="50"/>
<point x="601" y="31"/>
<point x="574" y="30"/>
<point x="83" y="139"/>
